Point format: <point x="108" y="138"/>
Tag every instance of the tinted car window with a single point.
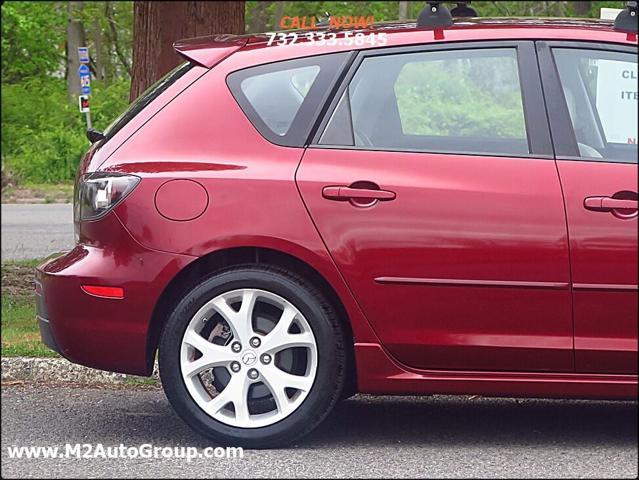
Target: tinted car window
<point x="600" y="90"/>
<point x="461" y="101"/>
<point x="282" y="99"/>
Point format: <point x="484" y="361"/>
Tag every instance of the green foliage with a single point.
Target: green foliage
<point x="43" y="133"/>
<point x="42" y="130"/>
<point x="478" y="98"/>
<point x="33" y="35"/>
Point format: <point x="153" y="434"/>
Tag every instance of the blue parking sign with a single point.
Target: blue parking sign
<point x="83" y="54"/>
<point x="84" y="71"/>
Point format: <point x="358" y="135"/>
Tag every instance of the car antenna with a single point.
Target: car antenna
<point x="626" y="21"/>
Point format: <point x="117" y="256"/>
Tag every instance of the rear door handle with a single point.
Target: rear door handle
<point x="607" y="203"/>
<point x="342" y="192"/>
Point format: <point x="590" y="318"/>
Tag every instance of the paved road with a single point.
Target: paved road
<point x="365" y="436"/>
<point x="36" y="230"/>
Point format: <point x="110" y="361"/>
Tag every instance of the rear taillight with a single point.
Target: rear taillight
<point x="97" y="193"/>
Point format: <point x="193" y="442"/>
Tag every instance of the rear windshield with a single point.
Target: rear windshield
<point x="147" y="97"/>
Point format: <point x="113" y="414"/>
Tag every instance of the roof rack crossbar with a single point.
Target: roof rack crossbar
<point x="626" y="21"/>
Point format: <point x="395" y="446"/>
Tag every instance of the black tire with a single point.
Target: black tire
<point x="329" y="380"/>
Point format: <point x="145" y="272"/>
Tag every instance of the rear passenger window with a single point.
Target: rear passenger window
<point x="600" y="90"/>
<point x="282" y="99"/>
<point x="461" y="101"/>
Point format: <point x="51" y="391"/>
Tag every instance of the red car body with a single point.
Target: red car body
<point x="527" y="292"/>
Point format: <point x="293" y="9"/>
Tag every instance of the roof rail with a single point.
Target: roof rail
<point x="626" y="21"/>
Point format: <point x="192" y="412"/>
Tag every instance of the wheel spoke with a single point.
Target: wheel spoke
<point x="274" y="344"/>
<point x="279" y="338"/>
<point x="241" y="323"/>
<point x="235" y="392"/>
<point x="212" y="355"/>
<point x="278" y="380"/>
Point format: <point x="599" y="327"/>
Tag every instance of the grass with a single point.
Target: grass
<point x="20" y="333"/>
<point x="29" y="192"/>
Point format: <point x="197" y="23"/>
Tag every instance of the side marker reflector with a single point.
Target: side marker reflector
<point x="104" y="292"/>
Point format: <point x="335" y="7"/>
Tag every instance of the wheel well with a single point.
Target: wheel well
<point x="186" y="279"/>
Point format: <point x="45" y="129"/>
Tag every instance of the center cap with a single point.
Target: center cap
<point x="249" y="358"/>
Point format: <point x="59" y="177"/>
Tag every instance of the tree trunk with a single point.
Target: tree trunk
<point x="403" y="11"/>
<point x="98" y="54"/>
<point x="158" y="24"/>
<point x="582" y="9"/>
<point x="278" y="14"/>
<point x="259" y="18"/>
<point x="75" y="38"/>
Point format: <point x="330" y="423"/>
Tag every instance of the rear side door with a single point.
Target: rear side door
<point x="432" y="182"/>
<point x="592" y="95"/>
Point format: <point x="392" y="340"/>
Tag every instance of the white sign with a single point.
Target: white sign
<point x="83" y="103"/>
<point x="617" y="99"/>
<point x="609" y="13"/>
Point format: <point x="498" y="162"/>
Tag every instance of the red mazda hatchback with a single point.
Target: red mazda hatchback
<point x="404" y="209"/>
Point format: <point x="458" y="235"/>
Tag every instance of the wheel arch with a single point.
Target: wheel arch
<point x="189" y="276"/>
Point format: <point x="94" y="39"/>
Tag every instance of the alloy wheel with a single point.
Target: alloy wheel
<point x="248" y="358"/>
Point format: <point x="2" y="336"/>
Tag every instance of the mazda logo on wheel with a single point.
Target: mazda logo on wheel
<point x="249" y="358"/>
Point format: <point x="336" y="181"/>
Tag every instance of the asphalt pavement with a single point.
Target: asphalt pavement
<point x="36" y="230"/>
<point x="364" y="437"/>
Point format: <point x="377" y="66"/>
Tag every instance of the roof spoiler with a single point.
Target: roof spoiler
<point x="210" y="50"/>
<point x="626" y="21"/>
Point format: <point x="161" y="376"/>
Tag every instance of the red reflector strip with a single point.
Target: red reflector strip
<point x="105" y="292"/>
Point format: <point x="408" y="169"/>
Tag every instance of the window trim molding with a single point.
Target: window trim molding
<point x="430" y="152"/>
<point x="537" y="129"/>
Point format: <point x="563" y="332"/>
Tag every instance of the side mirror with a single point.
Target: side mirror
<point x="94" y="135"/>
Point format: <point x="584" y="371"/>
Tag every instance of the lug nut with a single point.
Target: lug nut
<point x="266" y="359"/>
<point x="236" y="347"/>
<point x="255" y="342"/>
<point x="253" y="374"/>
<point x="235" y="366"/>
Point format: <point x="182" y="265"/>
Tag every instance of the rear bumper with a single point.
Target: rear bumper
<point x="47" y="335"/>
<point x="105" y="333"/>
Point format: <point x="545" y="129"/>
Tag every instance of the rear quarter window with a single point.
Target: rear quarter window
<point x="282" y="99"/>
